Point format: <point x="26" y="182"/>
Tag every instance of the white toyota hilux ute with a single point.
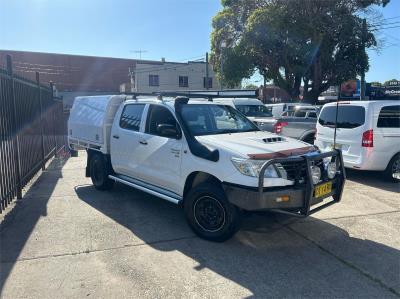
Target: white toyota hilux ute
<point x="207" y="157"/>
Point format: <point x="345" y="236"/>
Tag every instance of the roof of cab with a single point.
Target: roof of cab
<point x="168" y="101"/>
<point x="240" y="101"/>
<point x="365" y="103"/>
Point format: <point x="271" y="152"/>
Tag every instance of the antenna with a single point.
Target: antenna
<point x="140" y="51"/>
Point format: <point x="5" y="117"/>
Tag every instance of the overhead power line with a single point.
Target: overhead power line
<point x="384" y="28"/>
<point x="384" y="25"/>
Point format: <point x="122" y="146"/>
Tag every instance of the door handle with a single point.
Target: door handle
<point x="144" y="142"/>
<point x="116" y="136"/>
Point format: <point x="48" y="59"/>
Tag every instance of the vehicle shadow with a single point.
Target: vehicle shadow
<point x="269" y="256"/>
<point x="18" y="224"/>
<point x="372" y="178"/>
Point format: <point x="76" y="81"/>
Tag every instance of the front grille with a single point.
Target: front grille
<point x="295" y="171"/>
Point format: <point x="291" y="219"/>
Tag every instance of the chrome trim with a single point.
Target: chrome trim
<point x="146" y="188"/>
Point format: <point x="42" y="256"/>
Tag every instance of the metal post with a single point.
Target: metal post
<point x="364" y="37"/>
<point x="15" y="141"/>
<point x="207" y="85"/>
<point x="41" y="121"/>
<point x="54" y="119"/>
<point x="222" y="72"/>
<point x="336" y="118"/>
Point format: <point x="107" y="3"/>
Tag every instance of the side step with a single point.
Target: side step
<point x="142" y="186"/>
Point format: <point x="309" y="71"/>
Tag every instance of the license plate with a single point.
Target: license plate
<point x="323" y="189"/>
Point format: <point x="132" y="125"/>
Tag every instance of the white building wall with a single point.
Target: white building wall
<point x="169" y="73"/>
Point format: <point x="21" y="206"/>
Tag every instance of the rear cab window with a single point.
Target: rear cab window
<point x="389" y="117"/>
<point x="349" y="116"/>
<point x="131" y="117"/>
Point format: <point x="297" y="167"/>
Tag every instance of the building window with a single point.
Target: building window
<point x="154" y="80"/>
<point x="205" y="85"/>
<point x="183" y="81"/>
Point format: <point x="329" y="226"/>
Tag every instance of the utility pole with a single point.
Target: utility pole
<point x="132" y="76"/>
<point x="364" y="37"/>
<point x="207" y="85"/>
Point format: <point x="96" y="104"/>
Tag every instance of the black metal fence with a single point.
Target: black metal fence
<point x="33" y="129"/>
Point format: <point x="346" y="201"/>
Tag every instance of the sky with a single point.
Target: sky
<point x="178" y="30"/>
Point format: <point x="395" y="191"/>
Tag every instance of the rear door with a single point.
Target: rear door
<point x="352" y="122"/>
<point x="126" y="135"/>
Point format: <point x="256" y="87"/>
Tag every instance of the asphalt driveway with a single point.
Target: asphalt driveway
<point x="67" y="240"/>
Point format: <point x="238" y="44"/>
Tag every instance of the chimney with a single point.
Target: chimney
<point x="163" y="59"/>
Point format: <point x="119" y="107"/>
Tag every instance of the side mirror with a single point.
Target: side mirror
<point x="169" y="131"/>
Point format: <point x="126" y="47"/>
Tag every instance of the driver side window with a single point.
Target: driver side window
<point x="157" y="116"/>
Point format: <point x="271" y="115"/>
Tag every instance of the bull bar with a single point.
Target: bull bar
<point x="306" y="210"/>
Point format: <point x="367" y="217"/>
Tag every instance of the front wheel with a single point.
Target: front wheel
<point x="392" y="172"/>
<point x="99" y="173"/>
<point x="210" y="215"/>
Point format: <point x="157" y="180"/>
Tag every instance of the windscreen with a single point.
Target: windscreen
<point x="254" y="110"/>
<point x="348" y="117"/>
<point x="202" y="119"/>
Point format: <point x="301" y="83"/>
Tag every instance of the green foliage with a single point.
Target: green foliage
<point x="315" y="43"/>
<point x="250" y="86"/>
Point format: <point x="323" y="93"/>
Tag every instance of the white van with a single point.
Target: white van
<point x="253" y="109"/>
<point x="368" y="133"/>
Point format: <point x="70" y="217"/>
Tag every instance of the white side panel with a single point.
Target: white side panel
<point x="91" y="119"/>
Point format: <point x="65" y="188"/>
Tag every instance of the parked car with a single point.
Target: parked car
<point x="299" y="123"/>
<point x="205" y="156"/>
<point x="253" y="109"/>
<point x="279" y="108"/>
<point x="368" y="133"/>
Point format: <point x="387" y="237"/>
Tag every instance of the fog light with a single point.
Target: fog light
<point x="316" y="174"/>
<point x="331" y="170"/>
<point x="284" y="198"/>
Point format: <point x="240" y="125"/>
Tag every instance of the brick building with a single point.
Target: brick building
<point x="75" y="75"/>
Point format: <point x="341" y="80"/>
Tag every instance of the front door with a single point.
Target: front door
<point x="162" y="165"/>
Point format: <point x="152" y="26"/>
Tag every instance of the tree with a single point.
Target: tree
<point x="250" y="86"/>
<point x="312" y="43"/>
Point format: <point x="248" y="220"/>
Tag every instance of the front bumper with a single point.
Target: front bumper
<point x="301" y="195"/>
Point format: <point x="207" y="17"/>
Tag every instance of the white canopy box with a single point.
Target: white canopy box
<point x="90" y="121"/>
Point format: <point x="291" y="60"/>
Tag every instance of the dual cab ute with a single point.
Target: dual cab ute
<point x="207" y="157"/>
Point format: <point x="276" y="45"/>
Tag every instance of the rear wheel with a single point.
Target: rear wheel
<point x="309" y="139"/>
<point x="392" y="171"/>
<point x="99" y="173"/>
<point x="210" y="215"/>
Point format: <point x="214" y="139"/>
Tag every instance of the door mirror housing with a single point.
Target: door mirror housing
<point x="169" y="131"/>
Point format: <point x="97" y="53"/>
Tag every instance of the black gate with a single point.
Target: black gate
<point x="33" y="129"/>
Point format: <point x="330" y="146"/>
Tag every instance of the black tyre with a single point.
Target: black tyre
<point x="209" y="213"/>
<point x="392" y="172"/>
<point x="99" y="173"/>
<point x="309" y="139"/>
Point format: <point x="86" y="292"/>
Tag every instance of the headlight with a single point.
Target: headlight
<point x="253" y="167"/>
<point x="316" y="174"/>
<point x="331" y="170"/>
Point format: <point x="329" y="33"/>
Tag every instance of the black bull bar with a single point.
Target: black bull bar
<point x="309" y="199"/>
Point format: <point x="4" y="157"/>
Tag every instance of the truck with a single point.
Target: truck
<point x="206" y="157"/>
<point x="253" y="109"/>
<point x="299" y="123"/>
